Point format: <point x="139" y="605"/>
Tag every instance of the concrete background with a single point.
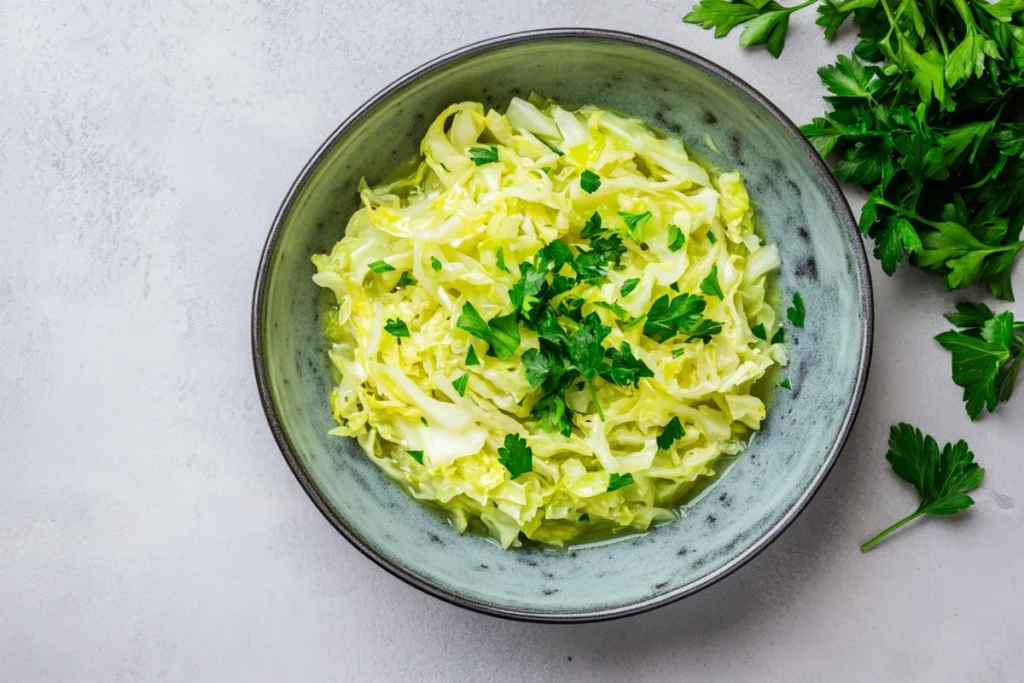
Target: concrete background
<point x="149" y="528"/>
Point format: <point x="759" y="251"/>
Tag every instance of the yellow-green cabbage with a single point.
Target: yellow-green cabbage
<point x="395" y="395"/>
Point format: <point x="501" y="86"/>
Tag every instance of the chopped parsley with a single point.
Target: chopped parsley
<point x="635" y="224"/>
<point x="590" y="181"/>
<point x="795" y="313"/>
<point x="786" y="384"/>
<point x="712" y="238"/>
<point x="379" y="266"/>
<point x="759" y="332"/>
<point x="435" y="264"/>
<point x="405" y="280"/>
<point x="628" y="286"/>
<point x="618" y="481"/>
<point x="396" y="327"/>
<point x="672" y="432"/>
<point x="501" y="333"/>
<point x="416" y="455"/>
<point x="500" y="259"/>
<point x="460" y="384"/>
<point x="483" y="155"/>
<point x="516" y="456"/>
<point x="710" y="286"/>
<point x="676" y="238"/>
<point x="471" y="358"/>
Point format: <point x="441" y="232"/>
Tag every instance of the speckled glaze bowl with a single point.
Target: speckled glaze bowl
<point x="803" y="212"/>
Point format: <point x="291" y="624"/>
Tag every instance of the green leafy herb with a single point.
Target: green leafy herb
<point x="678" y="352"/>
<point x="445" y="167"/>
<point x="759" y="332"/>
<point x="424" y="421"/>
<point x="668" y="317"/>
<point x="704" y="331"/>
<point x="709" y="285"/>
<point x="416" y="455"/>
<point x="499" y="259"/>
<point x="623" y="368"/>
<point x="460" y="384"/>
<point x="516" y="456"/>
<point x="592" y="265"/>
<point x="614" y="308"/>
<point x="942" y="479"/>
<point x="379" y="266"/>
<point x="396" y="327"/>
<point x="635" y="224"/>
<point x="676" y="238"/>
<point x="471" y="357"/>
<point x="435" y="264"/>
<point x="628" y="286"/>
<point x="483" y="155"/>
<point x="553" y="414"/>
<point x="795" y="313"/>
<point x="779" y="337"/>
<point x="618" y="481"/>
<point x="586" y="352"/>
<point x="590" y="181"/>
<point x="592" y="228"/>
<point x="986" y="352"/>
<point x="406" y="280"/>
<point x="672" y="432"/>
<point x="502" y="333"/>
<point x="786" y="384"/>
<point x="552" y="146"/>
<point x="712" y="238"/>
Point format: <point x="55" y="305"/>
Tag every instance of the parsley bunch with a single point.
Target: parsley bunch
<point x="921" y="117"/>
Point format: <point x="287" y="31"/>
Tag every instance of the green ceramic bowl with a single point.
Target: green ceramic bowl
<point x="803" y="212"/>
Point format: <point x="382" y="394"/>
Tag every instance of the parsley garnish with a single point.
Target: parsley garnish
<point x="396" y="327"/>
<point x="435" y="264"/>
<point x="786" y="384"/>
<point x="635" y="224"/>
<point x="516" y="456"/>
<point x="941" y="479"/>
<point x="795" y="313"/>
<point x="424" y="421"/>
<point x="676" y="238"/>
<point x="500" y="259"/>
<point x="628" y="286"/>
<point x="672" y="432"/>
<point x="405" y="280"/>
<point x="586" y="352"/>
<point x="592" y="265"/>
<point x="779" y="337"/>
<point x="712" y="238"/>
<point x="592" y="228"/>
<point x="623" y="368"/>
<point x="710" y="286"/>
<point x="590" y="181"/>
<point x="618" y="481"/>
<point x="684" y="313"/>
<point x="766" y="20"/>
<point x="460" y="384"/>
<point x="471" y="358"/>
<point x="987" y="353"/>
<point x="501" y="333"/>
<point x="379" y="266"/>
<point x="759" y="332"/>
<point x="416" y="455"/>
<point x="552" y="146"/>
<point x="483" y="155"/>
<point x="678" y="352"/>
<point x="444" y="167"/>
<point x="614" y="308"/>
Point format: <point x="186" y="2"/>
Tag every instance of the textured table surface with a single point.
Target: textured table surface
<point x="149" y="528"/>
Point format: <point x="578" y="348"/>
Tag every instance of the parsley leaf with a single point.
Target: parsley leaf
<point x="712" y="238"/>
<point x="435" y="264"/>
<point x="672" y="432"/>
<point x="795" y="313"/>
<point x="986" y="355"/>
<point x="786" y="384"/>
<point x="552" y="146"/>
<point x="586" y="352"/>
<point x="942" y="479"/>
<point x="669" y="317"/>
<point x="396" y="327"/>
<point x="460" y="384"/>
<point x="592" y="228"/>
<point x="405" y="280"/>
<point x="516" y="456"/>
<point x="704" y="330"/>
<point x="709" y="285"/>
<point x="614" y="308"/>
<point x="628" y="286"/>
<point x="590" y="181"/>
<point x="779" y="337"/>
<point x="618" y="481"/>
<point x="379" y="266"/>
<point x="499" y="259"/>
<point x="623" y="368"/>
<point x="553" y="414"/>
<point x="483" y="155"/>
<point x="471" y="357"/>
<point x="676" y="238"/>
<point x="501" y="333"/>
<point x="759" y="332"/>
<point x="416" y="455"/>
<point x="678" y="352"/>
<point x="635" y="224"/>
<point x="592" y="265"/>
<point x="537" y="365"/>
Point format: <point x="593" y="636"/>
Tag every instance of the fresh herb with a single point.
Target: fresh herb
<point x="678" y="352"/>
<point x="460" y="384"/>
<point x="471" y="357"/>
<point x="501" y="333"/>
<point x="766" y="20"/>
<point x="444" y="167"/>
<point x="709" y="285"/>
<point x="553" y="415"/>
<point x="406" y="280"/>
<point x="759" y="332"/>
<point x="424" y="421"/>
<point x="483" y="155"/>
<point x="795" y="313"/>
<point x="614" y="308"/>
<point x="712" y="238"/>
<point x="379" y="266"/>
<point x="635" y="224"/>
<point x="592" y="228"/>
<point x="416" y="455"/>
<point x="786" y="384"/>
<point x="618" y="481"/>
<point x="586" y="352"/>
<point x="628" y="286"/>
<point x="590" y="181"/>
<point x="435" y="264"/>
<point x="704" y="331"/>
<point x="591" y="265"/>
<point x="623" y="368"/>
<point x="676" y="238"/>
<point x="516" y="456"/>
<point x="672" y="432"/>
<point x="669" y="317"/>
<point x="986" y="352"/>
<point x="779" y="337"/>
<point x="396" y="327"/>
<point x="500" y="259"/>
<point x="552" y="146"/>
<point x="941" y="479"/>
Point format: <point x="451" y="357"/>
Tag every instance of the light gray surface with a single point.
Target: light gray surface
<point x="149" y="529"/>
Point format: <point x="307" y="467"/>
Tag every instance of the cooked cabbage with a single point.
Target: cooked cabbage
<point x="448" y="279"/>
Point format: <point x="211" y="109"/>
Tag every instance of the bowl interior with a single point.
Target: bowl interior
<point x="802" y="212"/>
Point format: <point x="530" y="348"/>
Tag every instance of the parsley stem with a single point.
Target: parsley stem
<point x="593" y="395"/>
<point x="875" y="541"/>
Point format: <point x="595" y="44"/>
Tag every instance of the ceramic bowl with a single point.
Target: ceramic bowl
<point x="803" y="212"/>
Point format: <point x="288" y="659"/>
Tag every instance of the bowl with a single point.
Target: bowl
<point x="722" y="119"/>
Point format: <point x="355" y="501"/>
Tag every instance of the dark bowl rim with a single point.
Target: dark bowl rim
<point x="605" y="614"/>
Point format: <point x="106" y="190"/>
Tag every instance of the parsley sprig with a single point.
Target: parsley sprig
<point x="942" y="479"/>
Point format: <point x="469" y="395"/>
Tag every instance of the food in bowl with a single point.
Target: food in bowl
<point x="553" y="324"/>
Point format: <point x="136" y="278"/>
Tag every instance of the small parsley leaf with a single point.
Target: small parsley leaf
<point x="759" y="332"/>
<point x="628" y="286"/>
<point x="460" y="384"/>
<point x="416" y="455"/>
<point x="618" y="481"/>
<point x="670" y="434"/>
<point x="379" y="266"/>
<point x="516" y="456"/>
<point x="779" y="337"/>
<point x="795" y="313"/>
<point x="635" y="224"/>
<point x="483" y="155"/>
<point x="502" y="333"/>
<point x="712" y="238"/>
<point x="676" y="238"/>
<point x="590" y="181"/>
<point x="406" y="280"/>
<point x="500" y="259"/>
<point x="435" y="264"/>
<point x="623" y="368"/>
<point x="396" y="327"/>
<point x="786" y="384"/>
<point x="471" y="357"/>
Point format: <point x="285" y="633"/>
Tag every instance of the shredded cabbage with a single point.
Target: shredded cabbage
<point x="459" y="228"/>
